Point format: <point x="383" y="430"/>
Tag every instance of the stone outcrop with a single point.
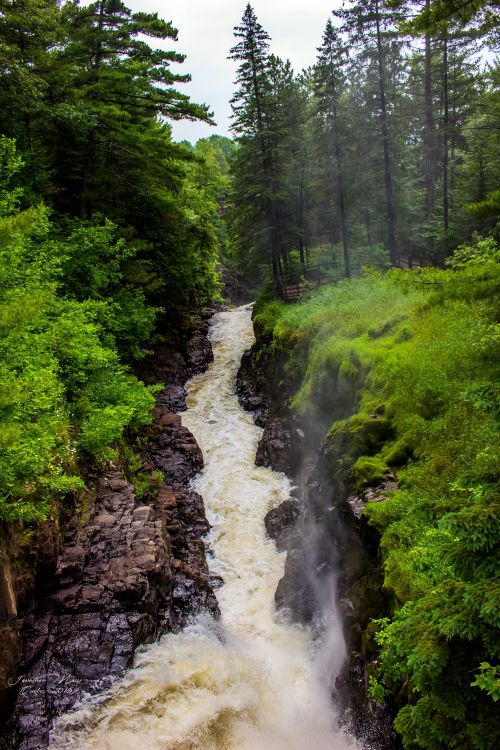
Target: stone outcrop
<point x="118" y="573"/>
<point x="279" y="521"/>
<point x="328" y="543"/>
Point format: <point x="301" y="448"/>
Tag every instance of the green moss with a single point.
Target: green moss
<point x="397" y="452"/>
<point x="404" y="368"/>
<point x="368" y="472"/>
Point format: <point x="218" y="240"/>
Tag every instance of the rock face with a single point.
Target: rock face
<point x="120" y="573"/>
<point x="329" y="545"/>
<point x="279" y="521"/>
<point x="275" y="448"/>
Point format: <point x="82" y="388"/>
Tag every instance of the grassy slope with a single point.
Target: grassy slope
<point x="419" y="348"/>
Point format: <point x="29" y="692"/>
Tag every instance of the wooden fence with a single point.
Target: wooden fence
<point x="410" y="261"/>
<point x="292" y="290"/>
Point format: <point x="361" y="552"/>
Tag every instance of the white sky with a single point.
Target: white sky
<point x="206" y="36"/>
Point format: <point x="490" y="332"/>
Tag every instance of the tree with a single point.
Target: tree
<point x="253" y="125"/>
<point x="366" y="23"/>
<point x="328" y="84"/>
<point x="121" y="82"/>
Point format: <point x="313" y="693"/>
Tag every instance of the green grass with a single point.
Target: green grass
<point x="421" y="350"/>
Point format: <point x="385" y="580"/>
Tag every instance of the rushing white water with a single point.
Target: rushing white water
<point x="252" y="681"/>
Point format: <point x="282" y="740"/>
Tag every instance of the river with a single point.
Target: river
<point x="251" y="681"/>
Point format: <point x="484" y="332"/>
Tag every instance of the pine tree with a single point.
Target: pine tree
<point x="328" y="84"/>
<point x="253" y="124"/>
<point x="119" y="79"/>
<point x="367" y="23"/>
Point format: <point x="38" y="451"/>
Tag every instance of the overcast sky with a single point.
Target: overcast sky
<point x="206" y="36"/>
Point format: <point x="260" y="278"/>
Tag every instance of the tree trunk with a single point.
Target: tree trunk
<point x="389" y="193"/>
<point x="301" y="212"/>
<point x="267" y="170"/>
<point x="429" y="154"/>
<point x="88" y="171"/>
<point x="340" y="188"/>
<point x="90" y="148"/>
<point x="446" y="118"/>
<point x="369" y="237"/>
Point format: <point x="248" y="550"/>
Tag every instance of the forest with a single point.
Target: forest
<point x="374" y="171"/>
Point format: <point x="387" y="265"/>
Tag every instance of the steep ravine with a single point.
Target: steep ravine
<point x="79" y="598"/>
<point x="252" y="680"/>
<point x="330" y="550"/>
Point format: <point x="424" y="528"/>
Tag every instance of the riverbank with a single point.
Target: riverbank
<point x="392" y="378"/>
<point x="125" y="564"/>
<point x="251" y="680"/>
<point x="331" y="554"/>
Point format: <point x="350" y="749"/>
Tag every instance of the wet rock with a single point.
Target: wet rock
<point x="275" y="447"/>
<point x="198" y="352"/>
<point x="250" y="390"/>
<point x="279" y="521"/>
<point x="372" y="495"/>
<point x="184" y="351"/>
<point x="175" y="452"/>
<point x="118" y="575"/>
<point x="294" y="593"/>
<point x="173" y="397"/>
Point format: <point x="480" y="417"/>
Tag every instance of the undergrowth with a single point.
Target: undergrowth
<point x="420" y="348"/>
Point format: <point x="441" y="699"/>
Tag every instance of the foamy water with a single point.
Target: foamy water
<point x="251" y="681"/>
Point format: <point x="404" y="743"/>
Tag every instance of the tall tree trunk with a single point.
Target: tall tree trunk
<point x="340" y="189"/>
<point x="267" y="170"/>
<point x="446" y="119"/>
<point x="88" y="171"/>
<point x="91" y="145"/>
<point x="429" y="152"/>
<point x="301" y="212"/>
<point x="369" y="237"/>
<point x="453" y="129"/>
<point x="389" y="192"/>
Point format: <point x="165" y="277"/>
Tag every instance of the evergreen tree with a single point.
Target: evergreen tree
<point x="254" y="129"/>
<point x="328" y="84"/>
<point x="367" y="23"/>
<point x="121" y="82"/>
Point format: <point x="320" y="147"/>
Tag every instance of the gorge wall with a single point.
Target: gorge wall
<point x="329" y="545"/>
<point x="116" y="570"/>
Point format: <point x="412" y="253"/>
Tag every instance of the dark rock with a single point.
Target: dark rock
<point x="175" y="452"/>
<point x="279" y="521"/>
<point x="118" y="578"/>
<point x="199" y="353"/>
<point x="250" y="389"/>
<point x="173" y="397"/>
<point x="275" y="447"/>
<point x="295" y="593"/>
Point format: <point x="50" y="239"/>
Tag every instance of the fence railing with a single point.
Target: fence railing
<point x="291" y="290"/>
<point x="410" y="261"/>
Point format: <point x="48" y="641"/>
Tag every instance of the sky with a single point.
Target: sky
<point x="206" y="36"/>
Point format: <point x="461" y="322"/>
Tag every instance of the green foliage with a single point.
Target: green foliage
<point x="64" y="392"/>
<point x="146" y="483"/>
<point x="84" y="103"/>
<point x="418" y="350"/>
<point x="488" y="679"/>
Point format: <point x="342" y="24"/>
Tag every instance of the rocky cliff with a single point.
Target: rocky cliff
<point x="321" y="528"/>
<point x="79" y="596"/>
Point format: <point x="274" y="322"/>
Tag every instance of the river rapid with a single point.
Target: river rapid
<point x="251" y="681"/>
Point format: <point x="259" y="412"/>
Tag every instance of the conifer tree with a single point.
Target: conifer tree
<point x="328" y="83"/>
<point x="122" y="81"/>
<point x="367" y="23"/>
<point x="253" y="125"/>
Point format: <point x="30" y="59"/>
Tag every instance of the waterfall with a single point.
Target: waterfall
<point x="252" y="681"/>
